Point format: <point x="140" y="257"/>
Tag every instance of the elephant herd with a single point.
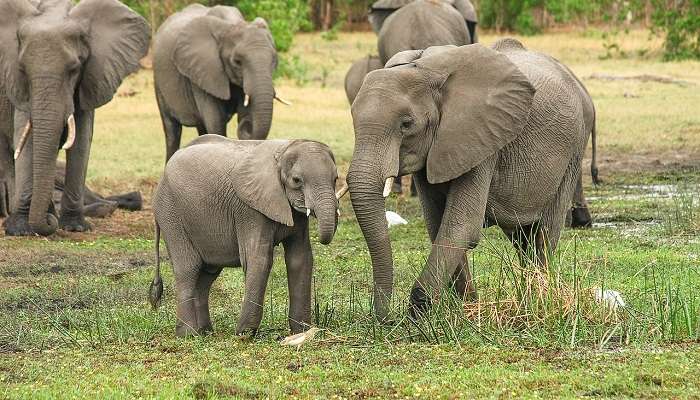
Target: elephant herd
<point x="490" y="135"/>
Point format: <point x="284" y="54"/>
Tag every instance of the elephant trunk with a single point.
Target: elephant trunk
<point x="262" y="93"/>
<point x="48" y="122"/>
<point x="366" y="179"/>
<point x="326" y="213"/>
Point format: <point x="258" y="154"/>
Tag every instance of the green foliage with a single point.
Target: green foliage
<point x="681" y="23"/>
<point x="285" y="17"/>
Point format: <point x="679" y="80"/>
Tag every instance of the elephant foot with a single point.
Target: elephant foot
<point x="414" y="192"/>
<point x="74" y="223"/>
<point x="18" y="225"/>
<point x="420" y="303"/>
<point x="183" y="330"/>
<point x="129" y="201"/>
<point x="100" y="209"/>
<point x="581" y="217"/>
<point x="207" y="329"/>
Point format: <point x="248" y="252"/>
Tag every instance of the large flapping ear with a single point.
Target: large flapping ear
<point x="12" y="82"/>
<point x="227" y="13"/>
<point x="118" y="39"/>
<point x="258" y="184"/>
<point x="197" y="55"/>
<point x="485" y="104"/>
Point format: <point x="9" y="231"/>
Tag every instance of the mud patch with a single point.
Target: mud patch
<point x="45" y="304"/>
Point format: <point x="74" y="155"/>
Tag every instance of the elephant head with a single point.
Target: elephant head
<point x="56" y="58"/>
<point x="382" y="9"/>
<point x="214" y="53"/>
<point x="277" y="177"/>
<point x="442" y="111"/>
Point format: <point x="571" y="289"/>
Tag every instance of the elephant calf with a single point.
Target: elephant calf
<point x="224" y="202"/>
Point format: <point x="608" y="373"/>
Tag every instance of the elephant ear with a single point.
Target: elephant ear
<point x="257" y="182"/>
<point x="118" y="38"/>
<point x="410" y="56"/>
<point x="12" y="82"/>
<point x="197" y="55"/>
<point x="485" y="104"/>
<point x="380" y="10"/>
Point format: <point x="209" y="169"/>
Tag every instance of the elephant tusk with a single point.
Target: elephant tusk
<point x="283" y="101"/>
<point x="71" y="133"/>
<point x="246" y="101"/>
<point x="341" y="192"/>
<point x="387" y="186"/>
<point x="337" y="211"/>
<point x="23" y="138"/>
<point x="308" y="212"/>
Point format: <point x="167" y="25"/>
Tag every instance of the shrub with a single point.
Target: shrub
<point x="680" y="20"/>
<point x="285" y="17"/>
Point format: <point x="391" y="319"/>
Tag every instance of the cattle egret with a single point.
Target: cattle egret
<point x="611" y="298"/>
<point x="299" y="338"/>
<point x="393" y="218"/>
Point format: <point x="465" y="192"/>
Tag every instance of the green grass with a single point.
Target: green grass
<point x="74" y="321"/>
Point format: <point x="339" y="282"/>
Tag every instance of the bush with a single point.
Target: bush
<point x="681" y="23"/>
<point x="285" y="17"/>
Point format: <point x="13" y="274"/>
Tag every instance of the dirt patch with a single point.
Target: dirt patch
<point x="45" y="304"/>
<point x="611" y="164"/>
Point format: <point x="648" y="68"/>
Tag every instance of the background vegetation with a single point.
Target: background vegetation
<point x="678" y="21"/>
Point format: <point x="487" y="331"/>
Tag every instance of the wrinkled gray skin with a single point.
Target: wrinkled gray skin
<point x="205" y="61"/>
<point x="57" y="60"/>
<point x="419" y="25"/>
<point x="224" y="202"/>
<point x="497" y="132"/>
<point x="382" y="9"/>
<point x="356" y="74"/>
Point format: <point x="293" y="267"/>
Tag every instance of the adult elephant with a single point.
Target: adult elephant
<point x="379" y="11"/>
<point x="496" y="132"/>
<point x="356" y="74"/>
<point x="209" y="63"/>
<point x="58" y="62"/>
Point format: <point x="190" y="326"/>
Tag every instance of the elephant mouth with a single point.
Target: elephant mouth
<point x="304" y="210"/>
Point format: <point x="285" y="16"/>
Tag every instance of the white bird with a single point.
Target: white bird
<point x="299" y="338"/>
<point x="611" y="298"/>
<point x="393" y="218"/>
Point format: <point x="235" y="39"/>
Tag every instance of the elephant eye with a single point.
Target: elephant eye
<point x="297" y="181"/>
<point x="406" y="123"/>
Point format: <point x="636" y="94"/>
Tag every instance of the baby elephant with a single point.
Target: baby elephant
<point x="224" y="202"/>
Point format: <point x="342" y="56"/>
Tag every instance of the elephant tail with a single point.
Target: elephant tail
<point x="156" y="290"/>
<point x="594" y="161"/>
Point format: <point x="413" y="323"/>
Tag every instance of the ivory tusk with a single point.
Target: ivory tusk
<point x="23" y="138"/>
<point x="341" y="192"/>
<point x="337" y="211"/>
<point x="387" y="186"/>
<point x="246" y="101"/>
<point x="71" y="133"/>
<point x="283" y="101"/>
<point x="308" y="212"/>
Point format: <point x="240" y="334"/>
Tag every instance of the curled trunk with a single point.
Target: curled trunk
<point x="325" y="211"/>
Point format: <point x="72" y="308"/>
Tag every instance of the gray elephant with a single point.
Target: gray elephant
<point x="356" y="74"/>
<point x="382" y="9"/>
<point x="208" y="64"/>
<point x="224" y="202"/>
<point x="497" y="132"/>
<point x="58" y="63"/>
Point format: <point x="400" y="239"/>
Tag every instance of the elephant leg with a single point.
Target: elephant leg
<point x="257" y="263"/>
<point x="173" y="135"/>
<point x="245" y="122"/>
<point x="396" y="188"/>
<point x="207" y="276"/>
<point x="131" y="201"/>
<point x="460" y="230"/>
<point x="433" y="205"/>
<point x="299" y="259"/>
<point x="580" y="215"/>
<point x="213" y="117"/>
<point x="72" y="215"/>
<point x="17" y="224"/>
<point x="187" y="268"/>
<point x="524" y="240"/>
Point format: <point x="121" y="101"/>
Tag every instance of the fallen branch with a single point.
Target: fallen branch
<point x="641" y="78"/>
